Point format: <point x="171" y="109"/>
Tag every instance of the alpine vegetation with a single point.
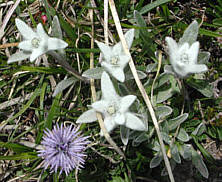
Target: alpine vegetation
<point x="115" y="109"/>
<point x="35" y="43"/>
<point x="158" y="122"/>
<point x="184" y="55"/>
<point x="115" y="59"/>
<point x="63" y="149"/>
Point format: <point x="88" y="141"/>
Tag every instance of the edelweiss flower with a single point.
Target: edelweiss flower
<point x="35" y="43"/>
<point x="115" y="59"/>
<point x="184" y="58"/>
<point x="63" y="148"/>
<point x="115" y="109"/>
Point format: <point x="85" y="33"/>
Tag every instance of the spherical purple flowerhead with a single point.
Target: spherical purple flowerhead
<point x="63" y="149"/>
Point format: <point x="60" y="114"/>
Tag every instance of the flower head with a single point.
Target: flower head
<point x="35" y="43"/>
<point x="63" y="149"/>
<point x="115" y="109"/>
<point x="184" y="58"/>
<point x="115" y="59"/>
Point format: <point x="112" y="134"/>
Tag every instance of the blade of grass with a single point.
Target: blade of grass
<point x="22" y="156"/>
<point x="153" y="5"/>
<point x="15" y="147"/>
<point x="24" y="108"/>
<point x="53" y="111"/>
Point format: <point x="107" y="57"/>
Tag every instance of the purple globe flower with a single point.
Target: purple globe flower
<point x="63" y="148"/>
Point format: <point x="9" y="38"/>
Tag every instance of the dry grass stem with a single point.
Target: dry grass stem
<point x="140" y="86"/>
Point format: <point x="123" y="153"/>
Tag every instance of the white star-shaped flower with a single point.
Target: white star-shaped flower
<point x="184" y="58"/>
<point x="115" y="59"/>
<point x="115" y="109"/>
<point x="35" y="43"/>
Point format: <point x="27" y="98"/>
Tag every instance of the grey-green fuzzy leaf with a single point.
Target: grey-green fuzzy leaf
<point x="63" y="85"/>
<point x="94" y="73"/>
<point x="156" y="160"/>
<point x="174" y="123"/>
<point x="199" y="164"/>
<point x="163" y="111"/>
<point x="175" y="154"/>
<point x="183" y="136"/>
<point x="124" y="134"/>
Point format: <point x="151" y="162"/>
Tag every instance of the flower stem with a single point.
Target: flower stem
<point x="67" y="66"/>
<point x="157" y="74"/>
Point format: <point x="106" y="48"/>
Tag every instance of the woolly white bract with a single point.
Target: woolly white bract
<point x="184" y="58"/>
<point x="115" y="109"/>
<point x="115" y="59"/>
<point x="35" y="43"/>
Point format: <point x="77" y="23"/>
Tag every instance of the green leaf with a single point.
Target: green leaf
<point x="42" y="69"/>
<point x="63" y="85"/>
<point x="168" y="69"/>
<point x="219" y="133"/>
<point x="56" y="28"/>
<point x="53" y="111"/>
<point x="185" y="151"/>
<point x="139" y="139"/>
<point x="199" y="130"/>
<point x="153" y="5"/>
<point x="145" y="35"/>
<point x="205" y="153"/>
<point x="209" y="33"/>
<point x="174" y="123"/>
<point x="124" y="134"/>
<point x="41" y="115"/>
<point x="129" y="75"/>
<point x="202" y="86"/>
<point x="94" y="73"/>
<point x="163" y="94"/>
<point x="156" y="160"/>
<point x="164" y="171"/>
<point x="67" y="28"/>
<point x="183" y="136"/>
<point x="24" y="108"/>
<point x="48" y="10"/>
<point x="175" y="153"/>
<point x="57" y="32"/>
<point x="87" y="117"/>
<point x="15" y="147"/>
<point x="203" y="57"/>
<point x="166" y="137"/>
<point x="152" y="67"/>
<point x="163" y="111"/>
<point x="199" y="164"/>
<point x="190" y="34"/>
<point x="22" y="156"/>
<point x="162" y="79"/>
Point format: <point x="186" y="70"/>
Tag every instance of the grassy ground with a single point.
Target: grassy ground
<point x="26" y="89"/>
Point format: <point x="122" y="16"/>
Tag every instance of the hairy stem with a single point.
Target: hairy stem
<point x="67" y="66"/>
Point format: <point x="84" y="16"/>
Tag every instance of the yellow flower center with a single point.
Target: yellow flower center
<point x="35" y="42"/>
<point x="184" y="58"/>
<point x="111" y="110"/>
<point x="114" y="60"/>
